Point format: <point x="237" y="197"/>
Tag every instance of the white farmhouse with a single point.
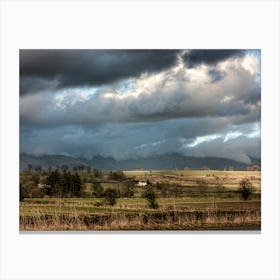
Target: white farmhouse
<point x="142" y="183"/>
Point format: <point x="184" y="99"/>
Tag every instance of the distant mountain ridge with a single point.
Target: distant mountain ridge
<point x="48" y="160"/>
<point x="157" y="162"/>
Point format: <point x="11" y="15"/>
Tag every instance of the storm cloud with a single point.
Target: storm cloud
<point x="137" y="103"/>
<point x="69" y="68"/>
<point x="197" y="57"/>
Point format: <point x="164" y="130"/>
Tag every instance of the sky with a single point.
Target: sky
<point x="138" y="103"/>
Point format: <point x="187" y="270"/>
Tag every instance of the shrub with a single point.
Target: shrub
<point x="245" y="188"/>
<point x="127" y="189"/>
<point x="30" y="190"/>
<point x="150" y="195"/>
<point x="110" y="196"/>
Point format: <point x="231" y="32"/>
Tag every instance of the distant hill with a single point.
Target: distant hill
<point x="165" y="162"/>
<point x="48" y="160"/>
<point x="160" y="162"/>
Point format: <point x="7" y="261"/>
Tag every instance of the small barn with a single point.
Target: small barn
<point x="142" y="183"/>
<point x="41" y="186"/>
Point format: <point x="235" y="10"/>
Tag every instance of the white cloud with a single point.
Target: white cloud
<point x="206" y="138"/>
<point x="232" y="135"/>
<point x="69" y="97"/>
<point x="251" y="64"/>
<point x="255" y="132"/>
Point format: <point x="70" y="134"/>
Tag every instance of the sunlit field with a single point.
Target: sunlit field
<point x="176" y="200"/>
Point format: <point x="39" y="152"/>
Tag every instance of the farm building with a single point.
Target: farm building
<point x="41" y="186"/>
<point x="142" y="183"/>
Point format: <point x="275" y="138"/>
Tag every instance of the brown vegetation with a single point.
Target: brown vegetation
<point x="172" y="200"/>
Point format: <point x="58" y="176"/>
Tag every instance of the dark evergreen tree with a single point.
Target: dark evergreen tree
<point x="53" y="181"/>
<point x="77" y="184"/>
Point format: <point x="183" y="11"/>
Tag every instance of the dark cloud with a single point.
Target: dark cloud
<point x="71" y="68"/>
<point x="158" y="97"/>
<point x="253" y="97"/>
<point x="197" y="57"/>
<point x="126" y="140"/>
<point x="145" y="108"/>
<point x="216" y="75"/>
<point x="30" y="85"/>
<point x="84" y="103"/>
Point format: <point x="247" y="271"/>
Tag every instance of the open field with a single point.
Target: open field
<point x="191" y="172"/>
<point x="191" y="177"/>
<point x="186" y="200"/>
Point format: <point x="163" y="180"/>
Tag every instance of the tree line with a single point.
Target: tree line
<point x="98" y="173"/>
<point x="68" y="183"/>
<point x="56" y="184"/>
<point x="63" y="167"/>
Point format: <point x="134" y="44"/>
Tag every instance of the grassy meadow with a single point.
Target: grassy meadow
<point x="182" y="200"/>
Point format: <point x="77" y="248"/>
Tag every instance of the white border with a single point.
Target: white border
<point x="156" y="24"/>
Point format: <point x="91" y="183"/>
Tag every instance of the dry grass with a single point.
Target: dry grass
<point x="173" y="219"/>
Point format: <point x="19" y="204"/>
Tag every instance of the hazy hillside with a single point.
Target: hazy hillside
<point x="48" y="160"/>
<point x="166" y="162"/>
<point x="162" y="162"/>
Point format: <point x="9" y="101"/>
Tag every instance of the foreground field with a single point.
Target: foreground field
<point x="186" y="200"/>
<point x="129" y="214"/>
